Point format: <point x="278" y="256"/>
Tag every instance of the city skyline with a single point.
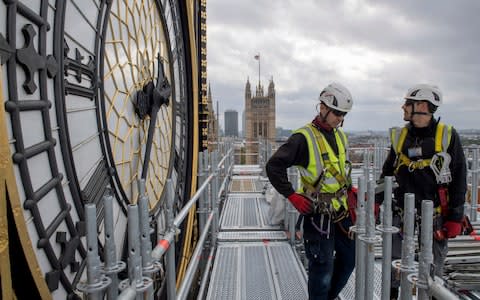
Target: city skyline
<point x="377" y="49"/>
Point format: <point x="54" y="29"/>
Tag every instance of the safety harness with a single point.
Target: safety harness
<point x="327" y="165"/>
<point x="439" y="163"/>
<point x="443" y="136"/>
<point x="313" y="182"/>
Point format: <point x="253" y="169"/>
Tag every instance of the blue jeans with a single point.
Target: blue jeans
<point x="330" y="263"/>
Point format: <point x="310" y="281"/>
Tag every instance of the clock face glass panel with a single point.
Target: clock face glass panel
<point x="136" y="50"/>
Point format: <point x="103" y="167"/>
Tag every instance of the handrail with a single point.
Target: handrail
<point x="204" y="280"/>
<point x="168" y="238"/>
<point x="193" y="265"/>
<point x="186" y="208"/>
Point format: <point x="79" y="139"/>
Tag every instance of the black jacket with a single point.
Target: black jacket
<point x="422" y="182"/>
<point x="295" y="152"/>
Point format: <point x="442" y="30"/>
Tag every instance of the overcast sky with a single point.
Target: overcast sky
<point x="377" y="49"/>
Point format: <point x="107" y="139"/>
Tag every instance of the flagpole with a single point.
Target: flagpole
<point x="257" y="57"/>
<point x="259" y="69"/>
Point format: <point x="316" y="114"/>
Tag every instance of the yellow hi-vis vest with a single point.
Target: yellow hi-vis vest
<point x="443" y="135"/>
<point x="325" y="171"/>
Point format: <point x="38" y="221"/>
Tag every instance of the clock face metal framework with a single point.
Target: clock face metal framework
<point x="83" y="80"/>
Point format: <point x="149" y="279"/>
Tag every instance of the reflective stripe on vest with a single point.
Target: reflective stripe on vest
<point x="310" y="176"/>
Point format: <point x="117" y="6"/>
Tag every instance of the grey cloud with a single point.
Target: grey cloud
<point x="402" y="42"/>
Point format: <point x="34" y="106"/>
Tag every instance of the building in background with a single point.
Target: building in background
<point x="242" y="134"/>
<point x="212" y="133"/>
<point x="259" y="119"/>
<point x="231" y="123"/>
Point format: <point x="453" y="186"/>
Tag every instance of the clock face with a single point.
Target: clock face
<point x="95" y="96"/>
<point x="137" y="54"/>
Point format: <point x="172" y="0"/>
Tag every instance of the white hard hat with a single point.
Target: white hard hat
<point x="425" y="92"/>
<point x="337" y="97"/>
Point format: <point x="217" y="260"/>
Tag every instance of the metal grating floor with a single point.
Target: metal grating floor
<point x="246" y="212"/>
<point x="348" y="291"/>
<point x="257" y="271"/>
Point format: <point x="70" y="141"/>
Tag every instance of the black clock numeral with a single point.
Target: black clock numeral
<point x="79" y="71"/>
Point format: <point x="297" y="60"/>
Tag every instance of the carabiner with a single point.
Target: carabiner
<point x="411" y="167"/>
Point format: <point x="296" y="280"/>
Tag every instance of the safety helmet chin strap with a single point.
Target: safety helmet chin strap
<point x="320" y="122"/>
<point x="323" y="119"/>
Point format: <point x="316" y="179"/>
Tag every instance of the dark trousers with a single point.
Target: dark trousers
<point x="330" y="263"/>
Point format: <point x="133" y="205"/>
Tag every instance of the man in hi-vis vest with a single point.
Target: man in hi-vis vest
<point x="427" y="160"/>
<point x="319" y="151"/>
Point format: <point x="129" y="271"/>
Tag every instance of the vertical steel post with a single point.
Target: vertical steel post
<point x="387" y="230"/>
<point x="426" y="254"/>
<point x="96" y="282"/>
<point x="370" y="240"/>
<point x="93" y="260"/>
<point x="214" y="197"/>
<point x="149" y="267"/>
<point x="360" y="249"/>
<point x="216" y="179"/>
<point x="112" y="266"/>
<point x="475" y="170"/>
<point x="201" y="201"/>
<point x="408" y="247"/>
<point x="366" y="165"/>
<point x="135" y="280"/>
<point x="170" y="256"/>
<point x="134" y="257"/>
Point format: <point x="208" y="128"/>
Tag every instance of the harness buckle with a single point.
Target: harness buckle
<point x="418" y="164"/>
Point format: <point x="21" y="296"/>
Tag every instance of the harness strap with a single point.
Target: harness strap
<point x="442" y="140"/>
<point x="316" y="153"/>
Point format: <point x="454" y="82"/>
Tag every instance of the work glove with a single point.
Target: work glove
<point x="352" y="197"/>
<point x="301" y="203"/>
<point x="376" y="211"/>
<point x="452" y="228"/>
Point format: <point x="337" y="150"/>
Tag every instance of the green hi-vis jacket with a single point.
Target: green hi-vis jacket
<point x="326" y="172"/>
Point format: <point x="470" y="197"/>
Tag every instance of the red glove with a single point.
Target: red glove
<point x="352" y="203"/>
<point x="376" y="210"/>
<point x="301" y="203"/>
<point x="452" y="228"/>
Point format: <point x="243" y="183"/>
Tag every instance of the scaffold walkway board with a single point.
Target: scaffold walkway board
<point x="251" y="236"/>
<point x="261" y="270"/>
<point x="247" y="184"/>
<point x="246" y="212"/>
<point x="247" y="170"/>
